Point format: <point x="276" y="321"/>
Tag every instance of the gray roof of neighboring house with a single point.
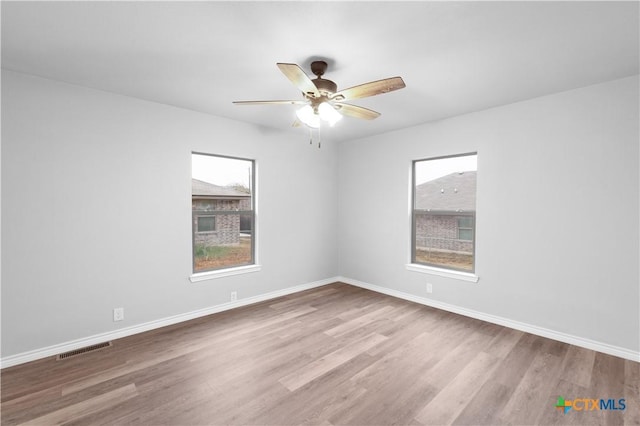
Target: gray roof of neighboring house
<point x="453" y="192"/>
<point x="204" y="189"/>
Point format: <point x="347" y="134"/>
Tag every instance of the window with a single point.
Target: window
<point x="206" y="223"/>
<point x="444" y="212"/>
<point x="465" y="228"/>
<point x="222" y="206"/>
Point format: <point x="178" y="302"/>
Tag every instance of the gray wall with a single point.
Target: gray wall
<point x="557" y="211"/>
<point x="81" y="167"/>
<point x="96" y="210"/>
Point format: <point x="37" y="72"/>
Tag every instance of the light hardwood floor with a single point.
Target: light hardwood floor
<point x="332" y="355"/>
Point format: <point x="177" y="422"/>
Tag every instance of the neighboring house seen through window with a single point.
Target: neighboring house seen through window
<point x="444" y="212"/>
<point x="222" y="205"/>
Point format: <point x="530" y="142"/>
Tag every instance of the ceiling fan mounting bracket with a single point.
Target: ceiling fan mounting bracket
<point x="318" y="68"/>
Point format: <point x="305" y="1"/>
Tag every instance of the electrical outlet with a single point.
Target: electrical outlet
<point x="118" y="314"/>
<point x="429" y="288"/>
<point x="234" y="296"/>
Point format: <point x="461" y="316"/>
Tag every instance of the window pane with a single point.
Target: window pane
<point x="465" y="234"/>
<point x="464" y="222"/>
<point x="206" y="223"/>
<point x="444" y="207"/>
<point x="223" y="218"/>
<point x="225" y="247"/>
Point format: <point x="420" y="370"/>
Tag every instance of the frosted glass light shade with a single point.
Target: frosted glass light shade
<point x="308" y="117"/>
<point x="329" y="114"/>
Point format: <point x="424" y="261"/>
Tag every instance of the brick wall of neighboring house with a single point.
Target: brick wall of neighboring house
<point x="211" y="205"/>
<point x="440" y="232"/>
<point x="227" y="230"/>
<point x="245" y="204"/>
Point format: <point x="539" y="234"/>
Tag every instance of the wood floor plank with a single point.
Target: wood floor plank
<point x="608" y="381"/>
<point x="531" y="396"/>
<point x="404" y="361"/>
<point x="504" y="342"/>
<point x="450" y="359"/>
<point x="412" y="325"/>
<point x="484" y="408"/>
<point x="518" y="360"/>
<point x="336" y="354"/>
<point x="358" y="322"/>
<point x="119" y="371"/>
<point x="553" y="416"/>
<point x="397" y="386"/>
<point x="328" y="362"/>
<point x="632" y="392"/>
<point x="578" y="366"/>
<point x="304" y="297"/>
<point x="84" y="408"/>
<point x="58" y="373"/>
<point x="25" y="401"/>
<point x="312" y="403"/>
<point x="452" y="399"/>
<point x="165" y="406"/>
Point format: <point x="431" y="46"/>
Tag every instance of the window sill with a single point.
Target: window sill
<point x="458" y="275"/>
<point x="220" y="273"/>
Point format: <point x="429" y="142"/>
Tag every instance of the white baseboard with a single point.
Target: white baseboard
<point x="538" y="331"/>
<point x="33" y="355"/>
<point x="151" y="325"/>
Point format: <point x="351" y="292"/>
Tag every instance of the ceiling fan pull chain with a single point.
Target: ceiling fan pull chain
<point x="319" y="138"/>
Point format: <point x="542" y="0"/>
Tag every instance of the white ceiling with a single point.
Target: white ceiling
<point x="455" y="57"/>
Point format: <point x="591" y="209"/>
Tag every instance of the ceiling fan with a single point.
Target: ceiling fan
<point x="321" y="99"/>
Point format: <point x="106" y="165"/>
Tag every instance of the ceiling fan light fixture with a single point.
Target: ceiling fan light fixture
<point x="328" y="113"/>
<point x="308" y="116"/>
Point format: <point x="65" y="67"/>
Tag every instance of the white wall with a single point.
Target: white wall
<point x="96" y="210"/>
<point x="557" y="220"/>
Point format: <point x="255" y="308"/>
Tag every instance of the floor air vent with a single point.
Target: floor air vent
<point x="85" y="350"/>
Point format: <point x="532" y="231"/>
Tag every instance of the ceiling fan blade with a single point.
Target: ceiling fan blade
<point x="356" y="111"/>
<point x="296" y="123"/>
<point x="270" y="102"/>
<point x="298" y="77"/>
<point x="370" y="89"/>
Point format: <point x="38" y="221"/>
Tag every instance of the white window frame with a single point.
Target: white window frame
<point x="430" y="269"/>
<point x="197" y="277"/>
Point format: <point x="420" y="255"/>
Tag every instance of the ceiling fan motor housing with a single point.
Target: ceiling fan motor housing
<point x="325" y="86"/>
